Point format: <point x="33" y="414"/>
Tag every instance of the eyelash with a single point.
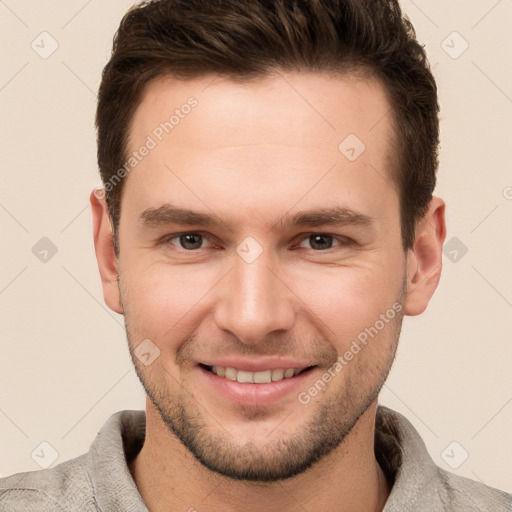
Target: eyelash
<point x="343" y="241"/>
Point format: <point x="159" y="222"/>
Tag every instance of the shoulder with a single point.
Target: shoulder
<point x="65" y="487"/>
<point x="460" y="493"/>
<point x="97" y="480"/>
<point x="420" y="485"/>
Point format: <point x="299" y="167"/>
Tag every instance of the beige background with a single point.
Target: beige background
<point x="64" y="362"/>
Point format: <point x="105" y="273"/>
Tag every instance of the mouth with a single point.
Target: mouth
<point x="271" y="383"/>
<point x="260" y="377"/>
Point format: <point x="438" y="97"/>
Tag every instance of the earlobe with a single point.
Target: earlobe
<point x="104" y="247"/>
<point x="424" y="260"/>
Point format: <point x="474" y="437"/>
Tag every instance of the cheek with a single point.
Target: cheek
<point x="347" y="300"/>
<point x="164" y="301"/>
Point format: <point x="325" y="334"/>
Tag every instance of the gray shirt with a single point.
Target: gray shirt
<point x="101" y="481"/>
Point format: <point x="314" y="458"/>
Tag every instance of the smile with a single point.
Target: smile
<point x="261" y="377"/>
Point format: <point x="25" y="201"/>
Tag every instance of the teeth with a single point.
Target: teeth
<point x="263" y="377"/>
<point x="289" y="373"/>
<point x="242" y="376"/>
<point x="277" y="375"/>
<point x="231" y="373"/>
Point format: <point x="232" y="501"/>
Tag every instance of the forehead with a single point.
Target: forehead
<point x="256" y="110"/>
<point x="263" y="139"/>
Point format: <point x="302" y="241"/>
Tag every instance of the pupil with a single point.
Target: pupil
<point x="186" y="239"/>
<point x="320" y="245"/>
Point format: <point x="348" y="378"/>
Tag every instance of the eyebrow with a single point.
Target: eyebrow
<point x="168" y="214"/>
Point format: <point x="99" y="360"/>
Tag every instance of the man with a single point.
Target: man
<point x="266" y="222"/>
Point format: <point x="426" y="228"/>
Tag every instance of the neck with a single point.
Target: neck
<point x="348" y="479"/>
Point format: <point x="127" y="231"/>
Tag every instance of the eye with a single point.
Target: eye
<point x="189" y="241"/>
<point x="324" y="241"/>
<point x="193" y="241"/>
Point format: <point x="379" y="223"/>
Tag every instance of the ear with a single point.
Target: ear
<point x="104" y="247"/>
<point x="425" y="258"/>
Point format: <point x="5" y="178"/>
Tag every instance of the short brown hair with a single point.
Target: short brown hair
<point x="248" y="39"/>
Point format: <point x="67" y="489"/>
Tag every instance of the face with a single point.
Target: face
<point x="293" y="261"/>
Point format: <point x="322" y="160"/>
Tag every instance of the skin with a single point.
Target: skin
<point x="251" y="154"/>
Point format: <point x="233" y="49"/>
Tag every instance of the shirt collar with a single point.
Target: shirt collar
<point x="403" y="455"/>
<point x="118" y="442"/>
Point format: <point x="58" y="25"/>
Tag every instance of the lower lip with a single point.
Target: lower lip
<point x="245" y="393"/>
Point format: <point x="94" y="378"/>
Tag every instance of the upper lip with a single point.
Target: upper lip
<point x="257" y="365"/>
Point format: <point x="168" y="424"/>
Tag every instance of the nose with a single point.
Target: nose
<point x="254" y="301"/>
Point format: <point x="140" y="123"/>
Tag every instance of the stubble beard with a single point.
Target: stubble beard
<point x="284" y="456"/>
